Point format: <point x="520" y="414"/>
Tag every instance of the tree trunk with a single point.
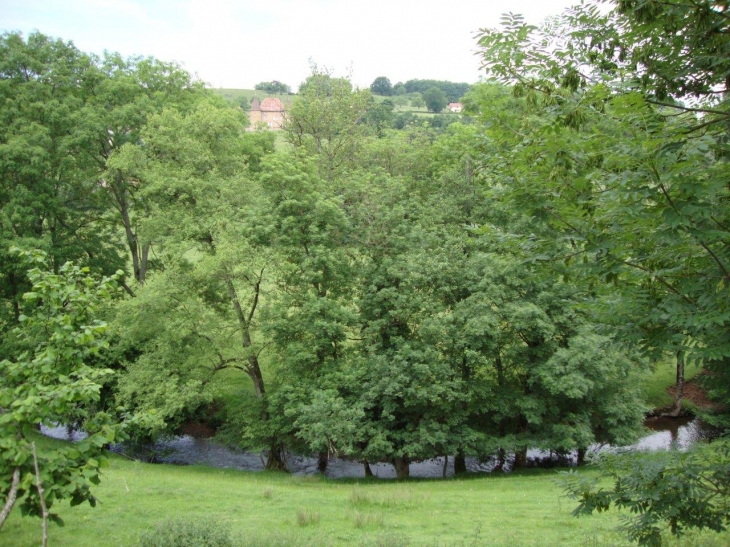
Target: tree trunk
<point x="459" y="463"/>
<point x="520" y="459"/>
<point x="368" y="471"/>
<point x="254" y="372"/>
<point x="143" y="260"/>
<point x="139" y="260"/>
<point x="402" y="467"/>
<point x="275" y="459"/>
<point x="12" y="496"/>
<point x="41" y="496"/>
<point x="499" y="465"/>
<point x="580" y="457"/>
<point x="322" y="459"/>
<point x="679" y="389"/>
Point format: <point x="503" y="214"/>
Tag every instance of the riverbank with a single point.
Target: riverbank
<point x="276" y="509"/>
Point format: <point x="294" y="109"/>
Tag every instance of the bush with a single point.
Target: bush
<point x="183" y="533"/>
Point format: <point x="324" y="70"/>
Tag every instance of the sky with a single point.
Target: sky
<point x="238" y="43"/>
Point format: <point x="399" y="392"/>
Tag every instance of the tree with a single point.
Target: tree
<point x="379" y="115"/>
<point x="274" y="87"/>
<point x="65" y="115"/>
<point x="417" y="101"/>
<point x="435" y="99"/>
<point x="616" y="169"/>
<point x="453" y="91"/>
<point x="50" y="381"/>
<point x="50" y="196"/>
<point x="644" y="203"/>
<point x="199" y="170"/>
<point x="129" y="91"/>
<point x="309" y="318"/>
<point x="381" y="86"/>
<point x="324" y="121"/>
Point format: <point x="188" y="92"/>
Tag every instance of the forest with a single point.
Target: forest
<point x="471" y="289"/>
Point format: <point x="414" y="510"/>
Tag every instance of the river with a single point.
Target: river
<point x="665" y="433"/>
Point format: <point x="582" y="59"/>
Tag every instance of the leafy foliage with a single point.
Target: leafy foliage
<point x="634" y="185"/>
<point x="50" y="381"/>
<point x="324" y="120"/>
<point x="681" y="491"/>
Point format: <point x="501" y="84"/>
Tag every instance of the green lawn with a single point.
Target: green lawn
<point x="278" y="509"/>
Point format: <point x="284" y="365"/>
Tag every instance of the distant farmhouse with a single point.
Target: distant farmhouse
<point x="455" y="107"/>
<point x="269" y="112"/>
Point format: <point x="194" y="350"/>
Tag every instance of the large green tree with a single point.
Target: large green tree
<point x="199" y="169"/>
<point x="51" y="196"/>
<point x="607" y="159"/>
<point x="435" y="99"/>
<point x="324" y="121"/>
<point x="381" y="86"/>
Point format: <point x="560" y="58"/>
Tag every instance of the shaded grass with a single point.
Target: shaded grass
<point x="278" y="509"/>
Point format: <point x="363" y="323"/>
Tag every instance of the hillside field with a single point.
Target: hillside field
<point x="236" y="95"/>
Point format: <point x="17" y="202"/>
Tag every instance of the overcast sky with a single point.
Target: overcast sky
<point x="237" y="43"/>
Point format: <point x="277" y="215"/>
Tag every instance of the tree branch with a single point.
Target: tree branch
<point x="12" y="496"/>
<point x="39" y="486"/>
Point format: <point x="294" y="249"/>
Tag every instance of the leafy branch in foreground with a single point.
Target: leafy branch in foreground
<point x="49" y="381"/>
<point x="678" y="491"/>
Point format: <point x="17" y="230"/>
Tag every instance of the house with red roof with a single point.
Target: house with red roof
<point x="270" y="112"/>
<point x="455" y="107"/>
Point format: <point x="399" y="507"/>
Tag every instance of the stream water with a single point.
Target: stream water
<point x="186" y="450"/>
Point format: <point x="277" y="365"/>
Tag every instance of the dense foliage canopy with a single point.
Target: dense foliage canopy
<point x="380" y="288"/>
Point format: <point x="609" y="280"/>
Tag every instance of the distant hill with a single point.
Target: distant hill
<point x="243" y="97"/>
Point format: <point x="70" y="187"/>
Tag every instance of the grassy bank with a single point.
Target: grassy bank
<point x="278" y="509"/>
<point x="656" y="389"/>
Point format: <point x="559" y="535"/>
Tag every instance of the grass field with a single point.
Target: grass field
<point x="275" y="509"/>
<point x="235" y="95"/>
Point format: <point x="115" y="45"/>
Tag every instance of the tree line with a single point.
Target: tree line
<point x="452" y="91"/>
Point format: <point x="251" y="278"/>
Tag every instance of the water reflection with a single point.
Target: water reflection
<point x="670" y="432"/>
<point x="186" y="450"/>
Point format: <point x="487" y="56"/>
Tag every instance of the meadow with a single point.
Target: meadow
<point x="277" y="509"/>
